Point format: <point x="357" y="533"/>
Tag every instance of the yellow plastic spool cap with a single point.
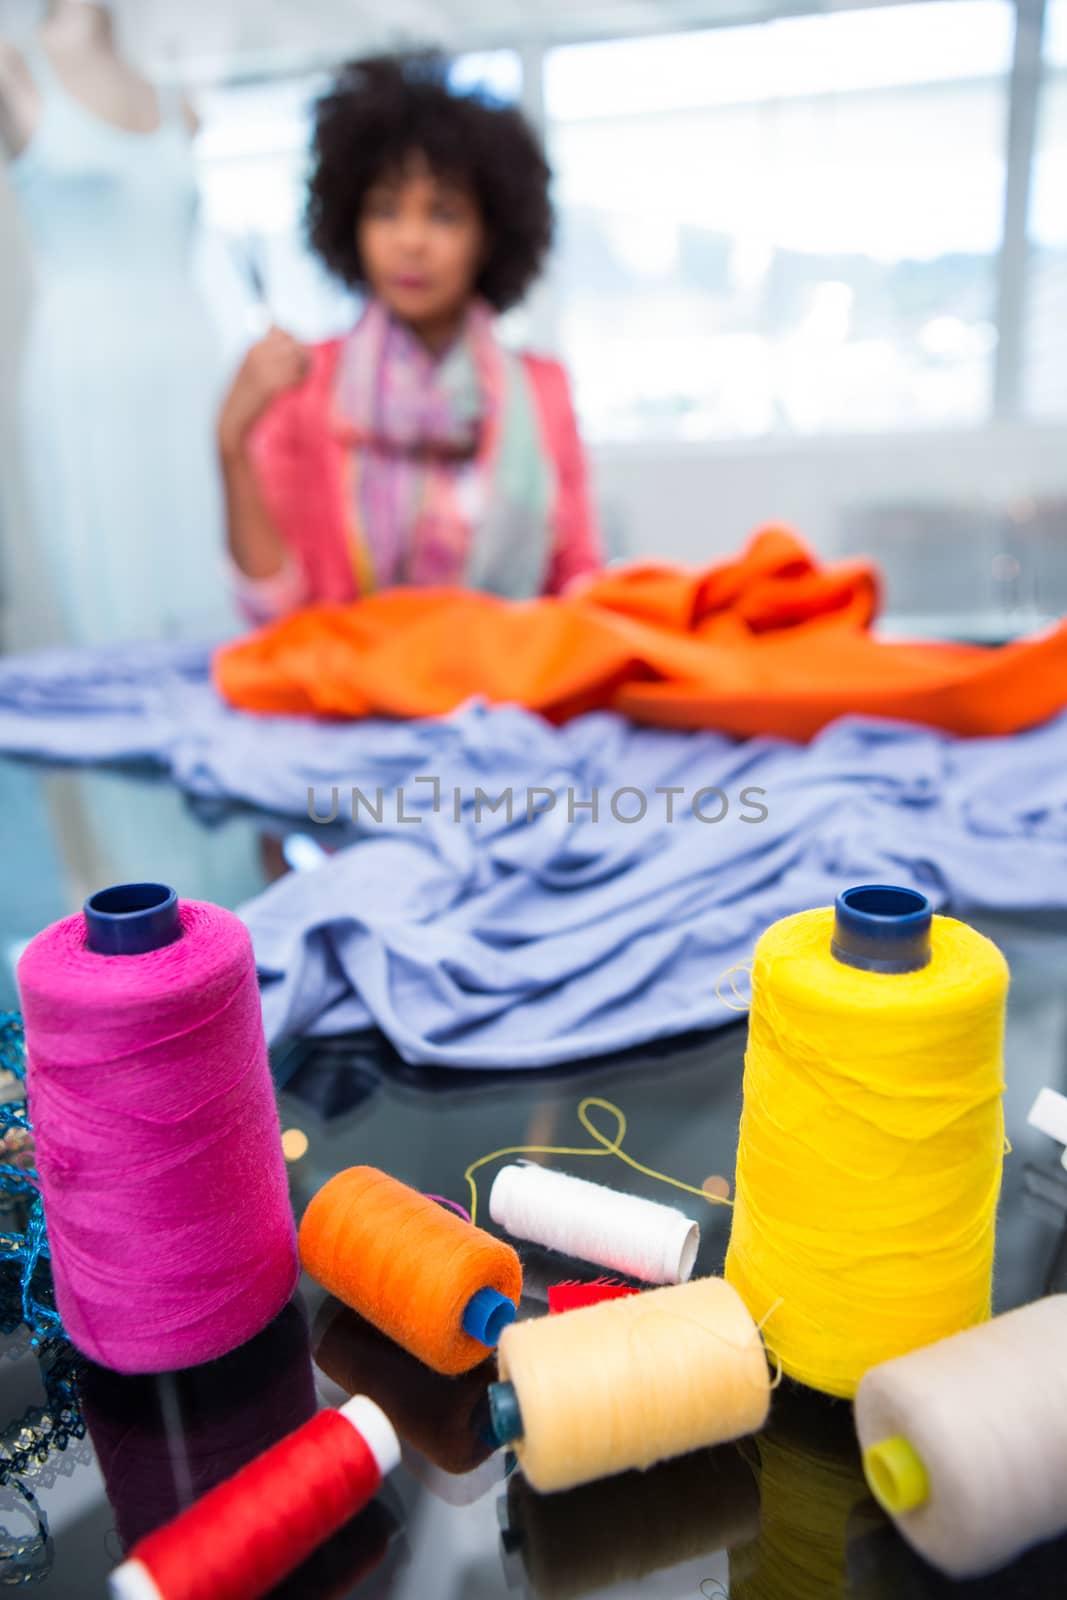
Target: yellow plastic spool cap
<point x="896" y="1476"/>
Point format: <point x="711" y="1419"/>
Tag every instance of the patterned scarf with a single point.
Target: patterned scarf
<point x="448" y="481"/>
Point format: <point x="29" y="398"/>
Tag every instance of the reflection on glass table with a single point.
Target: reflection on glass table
<point x="783" y="1516"/>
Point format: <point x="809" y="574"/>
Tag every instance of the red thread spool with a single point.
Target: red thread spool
<point x="248" y="1534"/>
<point x="573" y="1296"/>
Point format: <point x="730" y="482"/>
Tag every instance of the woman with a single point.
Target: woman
<point x="416" y="450"/>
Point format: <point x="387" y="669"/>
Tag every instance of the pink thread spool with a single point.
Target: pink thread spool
<point x="158" y="1147"/>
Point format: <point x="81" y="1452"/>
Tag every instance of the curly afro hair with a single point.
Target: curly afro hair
<point x="382" y="110"/>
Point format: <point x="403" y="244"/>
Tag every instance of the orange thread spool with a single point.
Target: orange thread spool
<point x="409" y="1266"/>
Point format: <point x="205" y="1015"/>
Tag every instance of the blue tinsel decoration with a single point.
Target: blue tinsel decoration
<point x="27" y="1250"/>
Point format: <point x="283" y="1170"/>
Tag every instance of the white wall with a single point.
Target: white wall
<point x="694" y="502"/>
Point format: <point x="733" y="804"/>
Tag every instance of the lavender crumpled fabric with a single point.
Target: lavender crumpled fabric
<point x="473" y="940"/>
<point x="484" y="943"/>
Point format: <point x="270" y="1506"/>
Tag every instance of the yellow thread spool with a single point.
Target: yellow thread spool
<point x="627" y="1383"/>
<point x="871" y="1146"/>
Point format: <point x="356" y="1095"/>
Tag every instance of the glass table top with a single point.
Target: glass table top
<point x="456" y="1519"/>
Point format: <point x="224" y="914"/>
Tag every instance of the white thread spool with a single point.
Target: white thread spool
<point x="965" y="1441"/>
<point x="641" y="1238"/>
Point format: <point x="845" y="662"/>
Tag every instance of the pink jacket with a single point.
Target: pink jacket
<point x="300" y="464"/>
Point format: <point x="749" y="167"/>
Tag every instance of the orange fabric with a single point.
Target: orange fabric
<point x="771" y="642"/>
<point x="405" y="1263"/>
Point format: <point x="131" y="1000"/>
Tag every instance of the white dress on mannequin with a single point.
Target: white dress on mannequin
<point x="121" y="375"/>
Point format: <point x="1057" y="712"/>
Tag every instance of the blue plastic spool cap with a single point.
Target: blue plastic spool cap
<point x="504" y="1413"/>
<point x="132" y="918"/>
<point x="880" y="928"/>
<point x="487" y="1315"/>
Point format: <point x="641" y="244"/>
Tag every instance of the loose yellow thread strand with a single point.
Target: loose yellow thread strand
<point x="767" y="1315"/>
<point x="772" y="1354"/>
<point x="745" y="1005"/>
<point x="608" y="1147"/>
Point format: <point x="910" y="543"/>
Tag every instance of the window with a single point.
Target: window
<point x="795" y="225"/>
<point x="1045" y="369"/>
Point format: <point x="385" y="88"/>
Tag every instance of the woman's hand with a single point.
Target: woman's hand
<point x="276" y="363"/>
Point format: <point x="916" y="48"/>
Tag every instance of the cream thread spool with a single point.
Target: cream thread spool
<point x="965" y="1441"/>
<point x="627" y="1383"/>
<point x="642" y="1238"/>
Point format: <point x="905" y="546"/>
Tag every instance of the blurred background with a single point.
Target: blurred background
<point x="811" y="262"/>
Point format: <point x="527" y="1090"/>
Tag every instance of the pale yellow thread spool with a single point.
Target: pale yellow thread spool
<point x="871" y="1147"/>
<point x="627" y="1383"/>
